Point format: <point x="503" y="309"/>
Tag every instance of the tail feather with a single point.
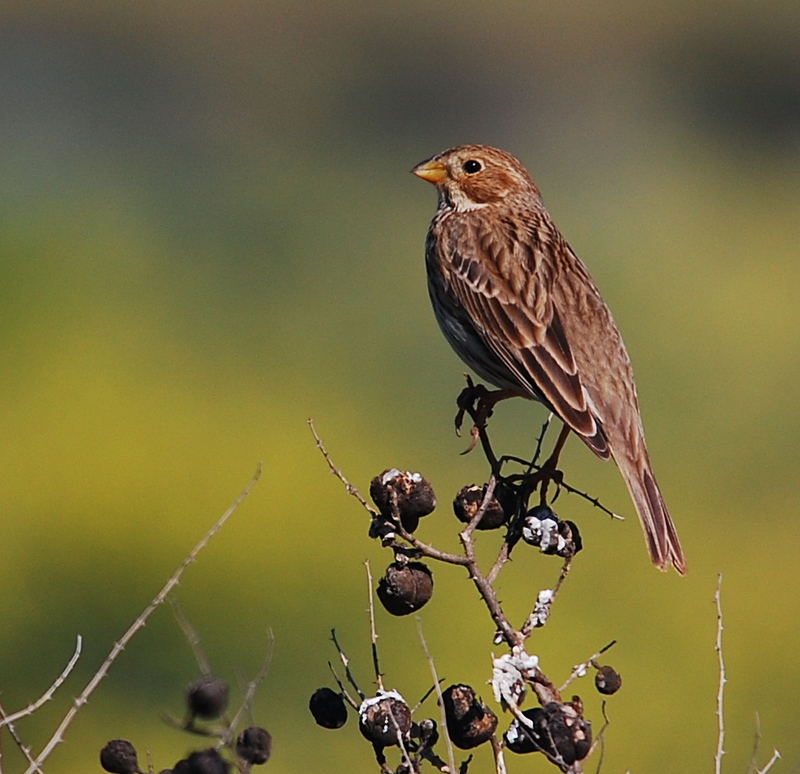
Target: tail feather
<point x="659" y="531"/>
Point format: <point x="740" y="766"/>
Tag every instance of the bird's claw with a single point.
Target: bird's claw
<point x="475" y="435"/>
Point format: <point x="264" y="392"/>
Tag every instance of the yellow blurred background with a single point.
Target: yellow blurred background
<point x="208" y="234"/>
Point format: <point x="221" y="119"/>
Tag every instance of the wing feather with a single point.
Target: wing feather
<point x="531" y="345"/>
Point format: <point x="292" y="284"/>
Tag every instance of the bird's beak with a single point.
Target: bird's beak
<point x="432" y="171"/>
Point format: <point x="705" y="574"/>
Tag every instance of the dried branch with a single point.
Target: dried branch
<point x="373" y="634"/>
<point x="775" y="757"/>
<point x="351" y="490"/>
<point x="499" y="759"/>
<point x="348" y="698"/>
<point x="580" y="669"/>
<point x="12" y="729"/>
<point x="437" y="685"/>
<point x="250" y="692"/>
<point x="192" y="637"/>
<point x="119" y="646"/>
<point x="721" y="690"/>
<point x="535" y="618"/>
<point x="48" y="694"/>
<point x="346" y="664"/>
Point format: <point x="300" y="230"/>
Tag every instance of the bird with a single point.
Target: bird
<point x="520" y="309"/>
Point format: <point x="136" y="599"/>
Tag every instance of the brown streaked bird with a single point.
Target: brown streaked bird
<point x="519" y="307"/>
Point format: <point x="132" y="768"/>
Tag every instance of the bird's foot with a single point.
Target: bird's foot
<point x="479" y="402"/>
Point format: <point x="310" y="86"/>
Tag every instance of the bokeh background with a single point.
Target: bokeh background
<point x="208" y="234"/>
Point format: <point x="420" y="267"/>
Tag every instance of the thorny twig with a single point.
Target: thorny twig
<point x="599" y="740"/>
<point x="119" y="646"/>
<point x="427" y="693"/>
<point x="530" y="623"/>
<point x="580" y="669"/>
<point x="346" y="664"/>
<point x="12" y="729"/>
<point x="48" y="694"/>
<point x="437" y="685"/>
<point x="752" y="767"/>
<point x="347" y="697"/>
<point x="721" y="690"/>
<point x="373" y="634"/>
<point x="775" y="757"/>
<point x="250" y="693"/>
<point x="192" y="637"/>
<point x="468" y="560"/>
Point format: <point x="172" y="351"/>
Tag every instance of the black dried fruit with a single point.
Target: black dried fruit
<point x="206" y="762"/>
<point x="254" y="745"/>
<point x="119" y="757"/>
<point x="469" y="721"/>
<point x="328" y="708"/>
<point x="558" y="730"/>
<point x="384" y="718"/>
<point x="467" y="503"/>
<point x="405" y="587"/>
<point x="207" y="697"/>
<point x="410" y="493"/>
<point x="607" y="680"/>
<point x="427" y="732"/>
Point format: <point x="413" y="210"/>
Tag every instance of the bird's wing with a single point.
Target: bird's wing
<point x="528" y="338"/>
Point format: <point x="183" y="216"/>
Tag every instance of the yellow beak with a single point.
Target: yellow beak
<point x="432" y="171"/>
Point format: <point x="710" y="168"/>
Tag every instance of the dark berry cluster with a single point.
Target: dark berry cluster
<point x="207" y="700"/>
<point x="557" y="728"/>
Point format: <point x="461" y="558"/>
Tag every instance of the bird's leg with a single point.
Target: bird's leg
<point x="485" y="399"/>
<point x="479" y="403"/>
<point x="549" y="471"/>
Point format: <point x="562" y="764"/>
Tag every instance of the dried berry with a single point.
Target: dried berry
<point x="410" y="493"/>
<point x="469" y="721"/>
<point x="384" y="718"/>
<point x="206" y="762"/>
<point x="607" y="680"/>
<point x="541" y="528"/>
<point x="254" y="745"/>
<point x="557" y="730"/>
<point x="328" y="708"/>
<point x="468" y="502"/>
<point x="572" y="537"/>
<point x="405" y="587"/>
<point x="119" y="757"/>
<point x="427" y="732"/>
<point x="207" y="697"/>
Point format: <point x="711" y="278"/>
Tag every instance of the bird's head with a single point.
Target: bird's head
<point x="470" y="177"/>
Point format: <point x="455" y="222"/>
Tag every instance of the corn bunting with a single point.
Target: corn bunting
<point x="520" y="308"/>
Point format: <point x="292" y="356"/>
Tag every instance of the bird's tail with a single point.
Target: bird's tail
<point x="659" y="531"/>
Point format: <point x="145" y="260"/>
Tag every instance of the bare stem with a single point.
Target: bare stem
<point x="530" y="624"/>
<point x="721" y="690"/>
<point x="373" y="634"/>
<point x="346" y="664"/>
<point x="437" y="685"/>
<point x="250" y="693"/>
<point x="485" y="588"/>
<point x="192" y="637"/>
<point x="12" y="729"/>
<point x="119" y="646"/>
<point x="348" y="698"/>
<point x="775" y="757"/>
<point x="580" y="669"/>
<point x="351" y="490"/>
<point x="48" y="694"/>
<point x="499" y="760"/>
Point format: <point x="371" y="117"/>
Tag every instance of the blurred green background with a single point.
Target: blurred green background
<point x="208" y="233"/>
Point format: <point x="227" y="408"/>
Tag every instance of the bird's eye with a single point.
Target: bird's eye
<point x="472" y="166"/>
